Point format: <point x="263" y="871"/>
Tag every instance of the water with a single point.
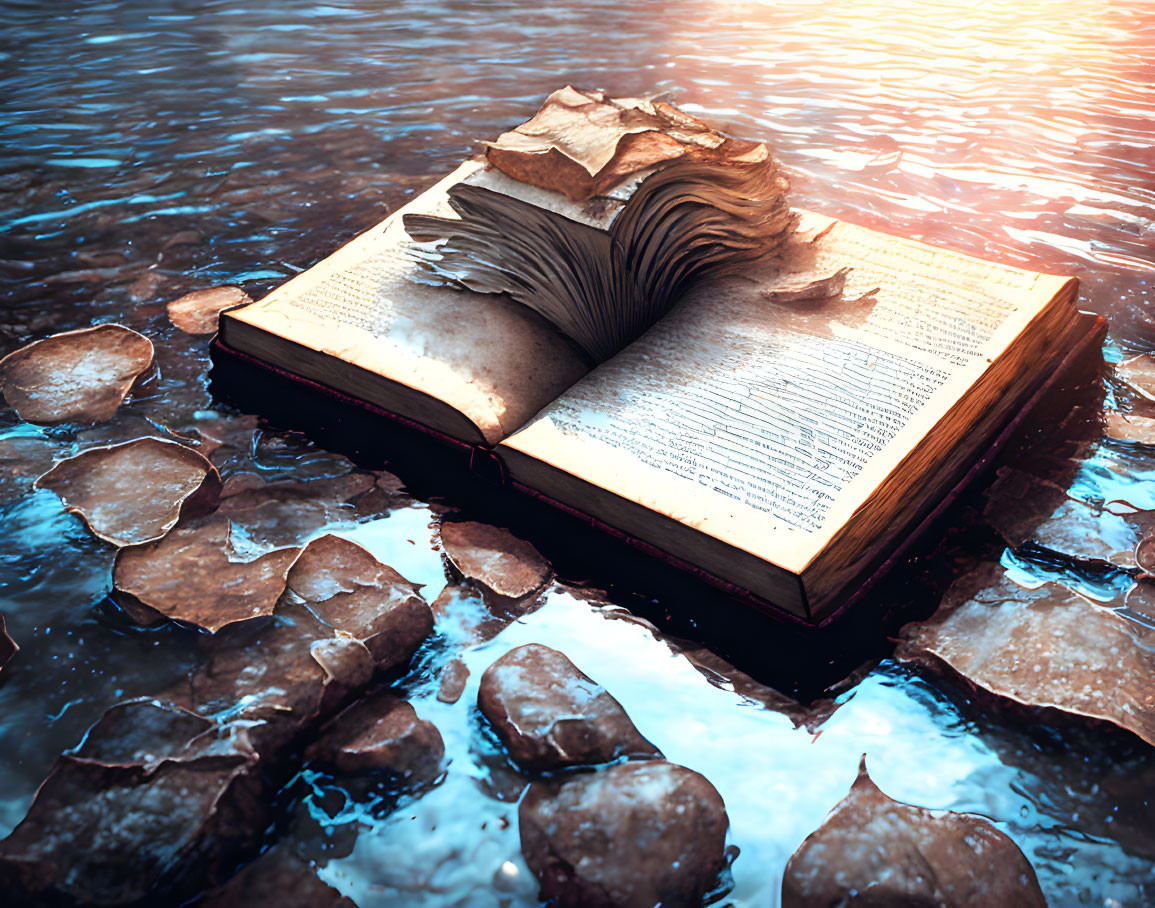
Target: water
<point x="146" y="152"/>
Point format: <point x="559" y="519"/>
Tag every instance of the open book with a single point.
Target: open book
<point x="779" y="439"/>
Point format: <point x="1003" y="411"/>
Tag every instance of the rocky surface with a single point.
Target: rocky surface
<point x="277" y="878"/>
<point x="195" y="575"/>
<point x="381" y="733"/>
<point x="1045" y="648"/>
<point x="633" y="834"/>
<point x="872" y="850"/>
<point x="495" y="558"/>
<point x="197" y="312"/>
<point x="77" y="375"/>
<point x="549" y="715"/>
<point x="135" y="492"/>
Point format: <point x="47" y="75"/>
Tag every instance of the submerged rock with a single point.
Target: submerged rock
<point x="155" y="802"/>
<point x="77" y="375"/>
<point x="549" y="715"/>
<point x="135" y="492"/>
<point x="193" y="574"/>
<point x="381" y="733"/>
<point x="1044" y="648"/>
<point x="495" y="558"/>
<point x="632" y="834"/>
<point x="454" y="677"/>
<point x="197" y="312"/>
<point x="874" y="851"/>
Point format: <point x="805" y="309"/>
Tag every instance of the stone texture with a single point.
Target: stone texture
<point x="135" y="492"/>
<point x="197" y="312"/>
<point x="549" y="715"/>
<point x="381" y="733"/>
<point x="632" y="834"/>
<point x="874" y="851"/>
<point x="78" y="375"/>
<point x="495" y="558"/>
<point x="277" y="878"/>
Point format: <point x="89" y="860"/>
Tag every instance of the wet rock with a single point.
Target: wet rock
<point x="1045" y="648"/>
<point x="381" y="733"/>
<point x="197" y="312"/>
<point x="549" y="715"/>
<point x="1139" y="373"/>
<point x="77" y="375"/>
<point x="348" y="589"/>
<point x="193" y="575"/>
<point x="155" y="803"/>
<point x="8" y="647"/>
<point x="495" y="558"/>
<point x="278" y="877"/>
<point x="135" y="492"/>
<point x="872" y="850"/>
<point x="454" y="677"/>
<point x="279" y="676"/>
<point x="632" y="834"/>
<point x="1128" y="427"/>
<point x="466" y="617"/>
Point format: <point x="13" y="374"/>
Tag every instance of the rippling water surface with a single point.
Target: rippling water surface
<point x="149" y="149"/>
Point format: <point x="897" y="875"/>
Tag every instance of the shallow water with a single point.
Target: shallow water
<point x="146" y="153"/>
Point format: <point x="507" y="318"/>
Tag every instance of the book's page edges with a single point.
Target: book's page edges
<point x="491" y="359"/>
<point x="564" y="434"/>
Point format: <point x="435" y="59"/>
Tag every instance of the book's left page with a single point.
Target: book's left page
<point x="472" y="366"/>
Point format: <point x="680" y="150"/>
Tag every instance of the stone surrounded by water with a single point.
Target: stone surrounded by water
<point x="633" y="834"/>
<point x="549" y="715"/>
<point x="495" y="558"/>
<point x="193" y="574"/>
<point x="381" y="733"/>
<point x="1047" y="648"/>
<point x="872" y="850"/>
<point x="348" y="589"/>
<point x="75" y="376"/>
<point x="155" y="801"/>
<point x="135" y="492"/>
<point x="454" y="677"/>
<point x="197" y="312"/>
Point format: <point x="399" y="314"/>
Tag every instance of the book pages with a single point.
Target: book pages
<point x="767" y="425"/>
<point x="491" y="359"/>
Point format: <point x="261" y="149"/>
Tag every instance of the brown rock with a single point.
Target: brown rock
<point x="197" y="312"/>
<point x="135" y="492"/>
<point x="874" y="851"/>
<point x="77" y="375"/>
<point x="278" y="877"/>
<point x="495" y="558"/>
<point x="348" y="589"/>
<point x="453" y="680"/>
<point x="1139" y="373"/>
<point x="632" y="834"/>
<point x="549" y="715"/>
<point x="1045" y="648"/>
<point x="153" y="804"/>
<point x="1129" y="427"/>
<point x="381" y="733"/>
<point x="192" y="575"/>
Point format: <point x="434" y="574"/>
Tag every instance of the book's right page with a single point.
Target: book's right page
<point x="763" y="421"/>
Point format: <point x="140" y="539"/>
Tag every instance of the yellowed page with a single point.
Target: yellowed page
<point x="766" y="425"/>
<point x="491" y="359"/>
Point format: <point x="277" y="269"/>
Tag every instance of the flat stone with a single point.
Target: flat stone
<point x="495" y="558"/>
<point x="872" y="850"/>
<point x="198" y="312"/>
<point x="381" y="733"/>
<point x="632" y="834"/>
<point x="1046" y="648"/>
<point x="135" y="492"/>
<point x="78" y="375"/>
<point x="549" y="715"/>
<point x="278" y="877"/>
